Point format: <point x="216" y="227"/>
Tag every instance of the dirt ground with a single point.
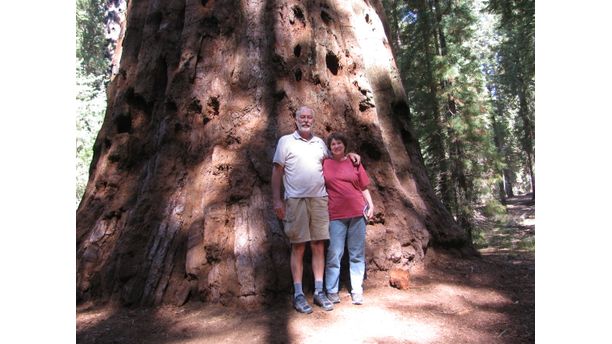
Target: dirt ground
<point x="490" y="299"/>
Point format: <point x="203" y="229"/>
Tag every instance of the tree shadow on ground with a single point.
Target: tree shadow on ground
<point x="192" y="322"/>
<point x="491" y="294"/>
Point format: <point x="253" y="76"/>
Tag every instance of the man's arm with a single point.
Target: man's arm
<point x="355" y="158"/>
<point x="277" y="200"/>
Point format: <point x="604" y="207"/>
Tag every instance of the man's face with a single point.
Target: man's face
<point x="304" y="121"/>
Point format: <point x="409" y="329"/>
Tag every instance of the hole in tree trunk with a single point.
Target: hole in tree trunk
<point x="297" y="51"/>
<point x="279" y="95"/>
<point x="332" y="63"/>
<point x="124" y="123"/>
<point x="365" y="104"/>
<point x="298" y="14"/>
<point x="298" y="75"/>
<point x="327" y="19"/>
<point x="195" y="106"/>
<point x="213" y="107"/>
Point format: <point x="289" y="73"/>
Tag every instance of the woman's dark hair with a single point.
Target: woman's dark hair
<point x="339" y="137"/>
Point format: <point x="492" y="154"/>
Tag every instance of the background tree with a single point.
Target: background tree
<point x="177" y="203"/>
<point x="514" y="78"/>
<point x="441" y="62"/>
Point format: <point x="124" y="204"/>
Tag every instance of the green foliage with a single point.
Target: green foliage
<point x="479" y="239"/>
<point x="494" y="208"/>
<point x="91" y="104"/>
<point x="527" y="243"/>
<point x="92" y="76"/>
<point x="91" y="43"/>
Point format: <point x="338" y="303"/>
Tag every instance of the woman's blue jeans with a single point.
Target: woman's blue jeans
<point x="352" y="231"/>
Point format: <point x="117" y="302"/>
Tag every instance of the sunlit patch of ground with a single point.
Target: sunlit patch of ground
<point x="366" y="323"/>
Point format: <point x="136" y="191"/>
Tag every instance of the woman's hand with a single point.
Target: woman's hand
<point x="370" y="212"/>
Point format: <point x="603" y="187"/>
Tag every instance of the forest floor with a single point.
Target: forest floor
<point x="487" y="299"/>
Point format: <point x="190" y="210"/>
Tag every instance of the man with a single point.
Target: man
<point x="298" y="164"/>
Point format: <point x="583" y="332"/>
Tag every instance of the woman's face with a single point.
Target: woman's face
<point x="337" y="148"/>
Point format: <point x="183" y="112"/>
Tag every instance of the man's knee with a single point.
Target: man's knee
<point x="317" y="247"/>
<point x="298" y="248"/>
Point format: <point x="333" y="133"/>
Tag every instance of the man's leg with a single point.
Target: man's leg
<point x="319" y="232"/>
<point x="318" y="259"/>
<point x="297" y="262"/>
<point x="318" y="266"/>
<point x="297" y="267"/>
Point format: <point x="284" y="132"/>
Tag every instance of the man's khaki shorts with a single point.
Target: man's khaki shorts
<point x="306" y="219"/>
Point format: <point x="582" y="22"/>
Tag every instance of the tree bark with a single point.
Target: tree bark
<point x="114" y="29"/>
<point x="178" y="202"/>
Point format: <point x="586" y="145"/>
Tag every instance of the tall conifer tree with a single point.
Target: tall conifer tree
<point x="515" y="73"/>
<point x="445" y="85"/>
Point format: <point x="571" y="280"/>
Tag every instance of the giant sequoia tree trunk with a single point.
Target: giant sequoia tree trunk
<point x="178" y="200"/>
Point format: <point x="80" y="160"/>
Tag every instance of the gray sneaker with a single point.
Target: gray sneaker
<point x="321" y="300"/>
<point x="301" y="305"/>
<point x="333" y="297"/>
<point x="357" y="298"/>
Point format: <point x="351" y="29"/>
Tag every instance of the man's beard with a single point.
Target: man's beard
<point x="304" y="128"/>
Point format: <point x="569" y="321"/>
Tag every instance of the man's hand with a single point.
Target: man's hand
<point x="277" y="179"/>
<point x="355" y="158"/>
<point x="279" y="209"/>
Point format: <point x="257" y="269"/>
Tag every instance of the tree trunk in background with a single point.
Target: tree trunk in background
<point x="509" y="182"/>
<point x="439" y="149"/>
<point x="528" y="138"/>
<point x="396" y="39"/>
<point x="114" y="30"/>
<point x="178" y="200"/>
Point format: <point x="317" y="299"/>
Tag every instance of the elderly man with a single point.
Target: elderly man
<point x="298" y="164"/>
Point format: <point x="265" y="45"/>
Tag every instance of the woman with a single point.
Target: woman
<point x="349" y="201"/>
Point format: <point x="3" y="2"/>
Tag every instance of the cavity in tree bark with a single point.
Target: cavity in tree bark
<point x="178" y="204"/>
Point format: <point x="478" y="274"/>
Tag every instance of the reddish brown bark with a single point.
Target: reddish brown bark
<point x="178" y="203"/>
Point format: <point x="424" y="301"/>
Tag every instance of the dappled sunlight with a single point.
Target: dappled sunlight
<point x="442" y="299"/>
<point x="90" y="318"/>
<point x="528" y="222"/>
<point x="476" y="295"/>
<point x="366" y="323"/>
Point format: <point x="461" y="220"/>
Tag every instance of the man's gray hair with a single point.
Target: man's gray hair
<point x="303" y="109"/>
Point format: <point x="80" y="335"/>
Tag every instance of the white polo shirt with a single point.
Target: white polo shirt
<point x="303" y="165"/>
